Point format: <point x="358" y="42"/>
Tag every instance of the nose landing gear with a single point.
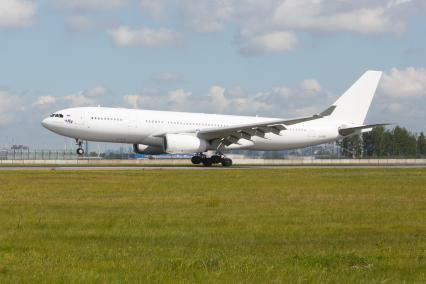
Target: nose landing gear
<point x="208" y="162"/>
<point x="80" y="150"/>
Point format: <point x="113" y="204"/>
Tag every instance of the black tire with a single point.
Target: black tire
<point x="80" y="151"/>
<point x="216" y="159"/>
<point x="226" y="162"/>
<point x="207" y="162"/>
<point x="196" y="160"/>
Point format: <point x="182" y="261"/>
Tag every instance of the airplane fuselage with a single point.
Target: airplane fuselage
<point x="119" y="125"/>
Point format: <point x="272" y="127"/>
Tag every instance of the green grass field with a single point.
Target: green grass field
<point x="233" y="226"/>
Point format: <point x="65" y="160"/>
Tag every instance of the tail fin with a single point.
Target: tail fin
<point x="353" y="105"/>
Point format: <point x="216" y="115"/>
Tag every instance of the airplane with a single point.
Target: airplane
<point x="167" y="132"/>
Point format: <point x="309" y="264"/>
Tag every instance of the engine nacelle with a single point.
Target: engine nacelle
<point x="147" y="150"/>
<point x="180" y="143"/>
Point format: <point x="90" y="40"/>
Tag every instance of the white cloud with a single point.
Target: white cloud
<point x="179" y="96"/>
<point x="311" y="86"/>
<point x="45" y="101"/>
<point x="132" y="100"/>
<point x="218" y="99"/>
<point x="17" y="13"/>
<point x="207" y="16"/>
<point x="406" y="83"/>
<point x="78" y="100"/>
<point x="272" y="42"/>
<point x="279" y="102"/>
<point x="90" y="4"/>
<point x="337" y="16"/>
<point x="271" y="26"/>
<point x="283" y="92"/>
<point x="146" y="99"/>
<point x="268" y="26"/>
<point x="153" y="99"/>
<point x="400" y="98"/>
<point x="144" y="37"/>
<point x="87" y="97"/>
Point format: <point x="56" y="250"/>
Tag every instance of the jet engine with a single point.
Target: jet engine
<point x="147" y="150"/>
<point x="181" y="143"/>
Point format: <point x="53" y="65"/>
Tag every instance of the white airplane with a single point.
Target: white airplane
<point x="160" y="132"/>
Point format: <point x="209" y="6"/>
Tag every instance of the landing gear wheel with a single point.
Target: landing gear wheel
<point x="216" y="159"/>
<point x="196" y="160"/>
<point x="80" y="150"/>
<point x="207" y="162"/>
<point x="226" y="162"/>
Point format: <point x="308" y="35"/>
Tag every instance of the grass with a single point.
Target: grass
<point x="238" y="226"/>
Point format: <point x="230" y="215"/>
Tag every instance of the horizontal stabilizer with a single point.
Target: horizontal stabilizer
<point x="345" y="131"/>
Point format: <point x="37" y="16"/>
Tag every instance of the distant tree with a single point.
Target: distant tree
<point x="369" y="144"/>
<point x="397" y="142"/>
<point x="404" y="143"/>
<point x="421" y="145"/>
<point x="351" y="147"/>
<point x="374" y="142"/>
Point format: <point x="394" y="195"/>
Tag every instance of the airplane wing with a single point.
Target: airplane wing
<point x="231" y="134"/>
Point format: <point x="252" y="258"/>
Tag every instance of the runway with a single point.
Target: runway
<point x="196" y="168"/>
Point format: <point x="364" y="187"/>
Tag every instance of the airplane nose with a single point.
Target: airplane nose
<point x="46" y="123"/>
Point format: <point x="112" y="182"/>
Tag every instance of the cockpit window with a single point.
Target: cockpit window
<point x="57" y="115"/>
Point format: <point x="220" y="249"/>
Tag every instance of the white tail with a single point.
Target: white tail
<point x="353" y="105"/>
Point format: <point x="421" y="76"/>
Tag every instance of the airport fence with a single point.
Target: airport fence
<point x="25" y="154"/>
<point x="58" y="157"/>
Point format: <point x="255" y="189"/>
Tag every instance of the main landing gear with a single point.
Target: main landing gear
<point x="208" y="162"/>
<point x="80" y="150"/>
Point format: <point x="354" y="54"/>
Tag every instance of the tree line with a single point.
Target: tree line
<point x="385" y="143"/>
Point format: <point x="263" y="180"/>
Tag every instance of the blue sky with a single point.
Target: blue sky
<point x="279" y="58"/>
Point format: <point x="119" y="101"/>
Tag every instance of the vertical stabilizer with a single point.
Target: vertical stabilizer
<point x="353" y="105"/>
